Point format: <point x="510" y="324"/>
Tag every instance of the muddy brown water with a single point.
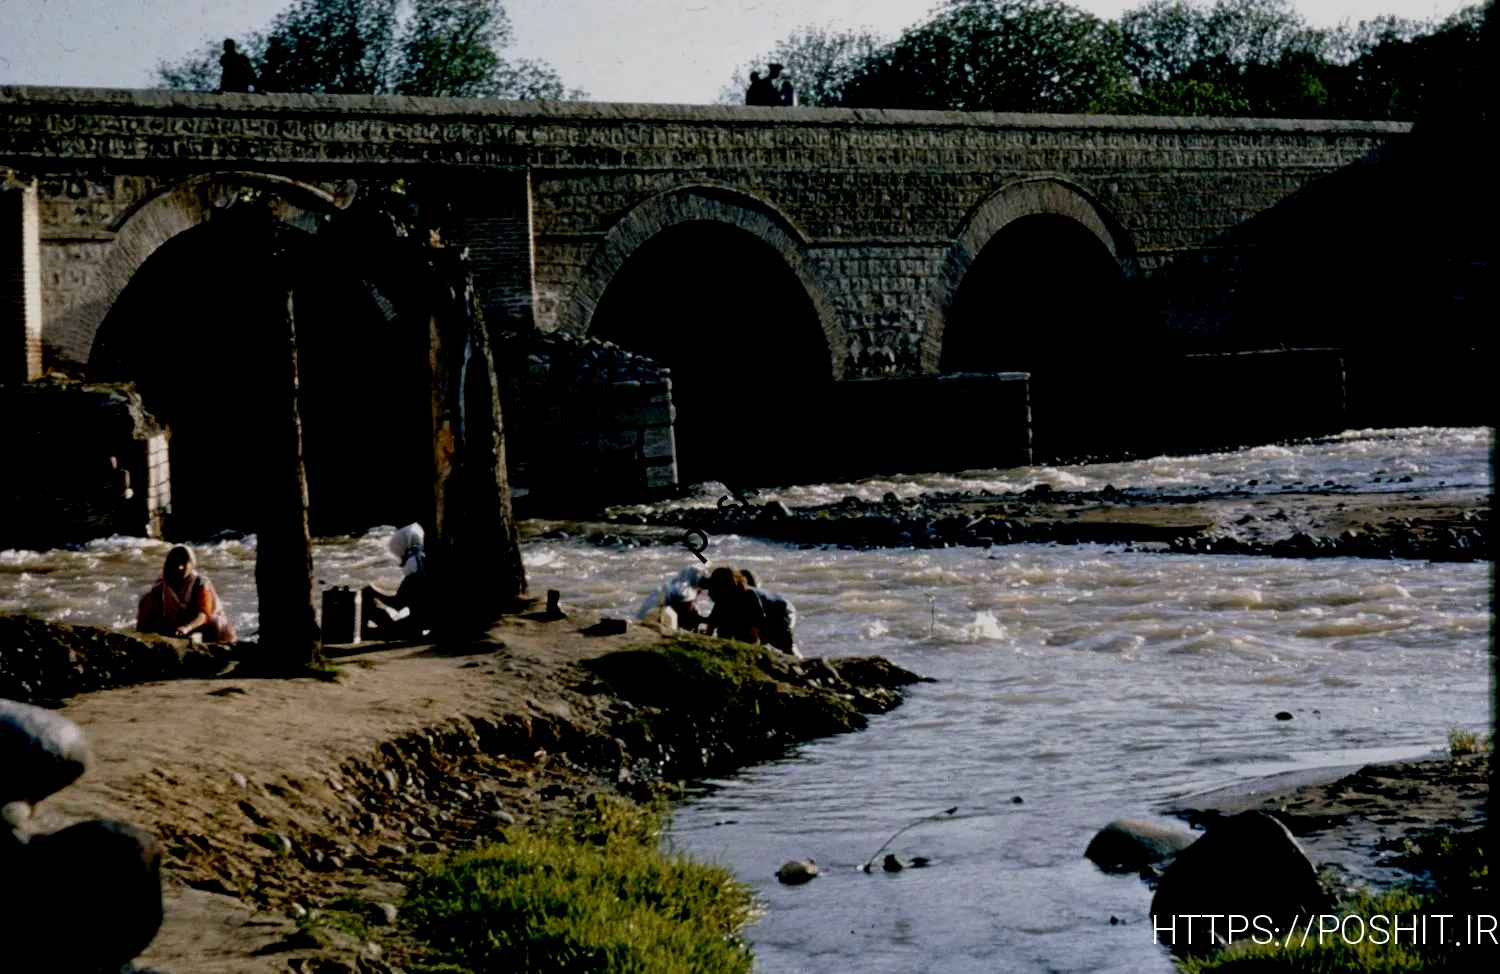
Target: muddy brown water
<point x="1084" y="680"/>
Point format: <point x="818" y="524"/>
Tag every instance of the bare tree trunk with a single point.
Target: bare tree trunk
<point x="283" y="551"/>
<point x="474" y="555"/>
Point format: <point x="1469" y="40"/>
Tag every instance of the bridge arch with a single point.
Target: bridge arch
<point x="195" y="327"/>
<point x="1034" y="196"/>
<point x="712" y="284"/>
<point x="701" y="203"/>
<point x="143" y="230"/>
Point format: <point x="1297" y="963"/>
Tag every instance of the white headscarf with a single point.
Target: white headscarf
<point x="677" y="590"/>
<point x="406" y="545"/>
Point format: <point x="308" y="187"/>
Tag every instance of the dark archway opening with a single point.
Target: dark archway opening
<point x="750" y="366"/>
<point x="197" y="329"/>
<point x="1045" y="296"/>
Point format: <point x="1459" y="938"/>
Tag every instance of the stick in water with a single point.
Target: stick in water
<point x="929" y="818"/>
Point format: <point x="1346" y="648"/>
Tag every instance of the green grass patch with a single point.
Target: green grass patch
<point x="594" y="895"/>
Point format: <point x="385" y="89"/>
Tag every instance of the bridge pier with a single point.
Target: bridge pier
<point x="20" y="282"/>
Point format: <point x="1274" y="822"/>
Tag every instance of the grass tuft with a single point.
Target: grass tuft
<point x="322" y="669"/>
<point x="593" y="895"/>
<point x="1463" y="742"/>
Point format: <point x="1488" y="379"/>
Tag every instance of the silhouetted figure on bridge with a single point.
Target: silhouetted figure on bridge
<point x="761" y="92"/>
<point x="270" y="79"/>
<point x="770" y="91"/>
<point x="238" y="74"/>
<point x="786" y="95"/>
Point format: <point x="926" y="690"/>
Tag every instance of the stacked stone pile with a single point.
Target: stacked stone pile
<point x="571" y="362"/>
<point x="586" y="422"/>
<point x="82" y="900"/>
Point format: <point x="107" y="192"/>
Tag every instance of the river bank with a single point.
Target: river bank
<point x="293" y="809"/>
<point x="1286" y="521"/>
<point x="1369" y="823"/>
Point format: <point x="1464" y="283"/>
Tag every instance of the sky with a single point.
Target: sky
<point x="682" y="51"/>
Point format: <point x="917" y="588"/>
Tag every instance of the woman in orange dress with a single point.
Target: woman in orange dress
<point x="183" y="602"/>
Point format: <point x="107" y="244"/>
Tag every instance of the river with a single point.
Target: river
<point x="1086" y="681"/>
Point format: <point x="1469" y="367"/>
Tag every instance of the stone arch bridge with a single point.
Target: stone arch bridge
<point x="772" y="250"/>
<point x="878" y="214"/>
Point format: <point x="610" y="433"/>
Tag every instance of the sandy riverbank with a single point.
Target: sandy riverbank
<point x="272" y="796"/>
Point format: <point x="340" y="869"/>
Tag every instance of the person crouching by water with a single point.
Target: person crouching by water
<point x="405" y="614"/>
<point x="183" y="603"/>
<point x="680" y="594"/>
<point x="748" y="613"/>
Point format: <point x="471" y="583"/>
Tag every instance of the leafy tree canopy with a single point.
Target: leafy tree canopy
<point x="407" y="47"/>
<point x="993" y="55"/>
<point x="1168" y="57"/>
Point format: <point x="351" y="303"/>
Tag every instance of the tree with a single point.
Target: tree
<point x="1188" y="98"/>
<point x="1259" y="54"/>
<point x="343" y="47"/>
<point x="409" y="47"/>
<point x="819" y="61"/>
<point x="1407" y="72"/>
<point x="994" y="55"/>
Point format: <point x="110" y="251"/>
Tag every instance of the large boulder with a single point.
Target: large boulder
<point x="1245" y="866"/>
<point x="1126" y="845"/>
<point x="84" y="899"/>
<point x="40" y="752"/>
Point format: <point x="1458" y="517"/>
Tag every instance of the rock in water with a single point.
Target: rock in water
<point x="1247" y="865"/>
<point x="797" y="871"/>
<point x="774" y="509"/>
<point x="1127" y="844"/>
<point x="83" y="899"/>
<point x="40" y="752"/>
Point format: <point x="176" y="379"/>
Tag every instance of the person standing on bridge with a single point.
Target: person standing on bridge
<point x="786" y="95"/>
<point x="237" y="75"/>
<point x="761" y="92"/>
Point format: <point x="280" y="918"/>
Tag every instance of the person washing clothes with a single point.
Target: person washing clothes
<point x="404" y="615"/>
<point x="183" y="603"/>
<point x="748" y="613"/>
<point x="680" y="595"/>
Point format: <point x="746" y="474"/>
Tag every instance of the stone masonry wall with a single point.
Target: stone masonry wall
<point x="587" y="423"/>
<point x="88" y="462"/>
<point x="870" y="207"/>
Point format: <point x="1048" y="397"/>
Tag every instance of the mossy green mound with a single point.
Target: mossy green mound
<point x="714" y="704"/>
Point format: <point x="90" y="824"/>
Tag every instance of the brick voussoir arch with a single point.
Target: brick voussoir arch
<point x="701" y="202"/>
<point x="1026" y="196"/>
<point x="150" y="224"/>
